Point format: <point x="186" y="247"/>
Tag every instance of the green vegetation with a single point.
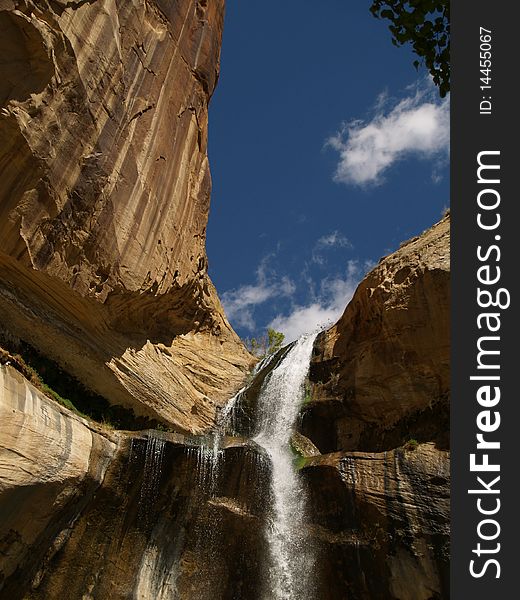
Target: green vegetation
<point x="425" y="24"/>
<point x="299" y="461"/>
<point x="308" y="392"/>
<point x="48" y="391"/>
<point x="269" y="343"/>
<point x="61" y="387"/>
<point x="411" y="444"/>
<point x="165" y="428"/>
<point x="35" y="378"/>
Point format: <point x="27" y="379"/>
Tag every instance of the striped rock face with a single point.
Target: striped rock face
<point x="381" y="374"/>
<point x="104" y="199"/>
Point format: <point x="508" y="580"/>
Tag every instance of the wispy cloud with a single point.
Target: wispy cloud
<point x="240" y="303"/>
<point x="418" y="125"/>
<point x="294" y="305"/>
<point x="325" y="308"/>
<point x="335" y="239"/>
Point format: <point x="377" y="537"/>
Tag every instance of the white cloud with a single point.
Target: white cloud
<point x="335" y="239"/>
<point x="239" y="303"/>
<point x="416" y="126"/>
<point x="324" y="310"/>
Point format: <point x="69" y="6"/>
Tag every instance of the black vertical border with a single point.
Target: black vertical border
<point x="471" y="133"/>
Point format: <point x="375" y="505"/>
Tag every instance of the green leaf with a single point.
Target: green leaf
<point x="424" y="24"/>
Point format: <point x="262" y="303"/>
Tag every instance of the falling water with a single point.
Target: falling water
<point x="151" y="472"/>
<point x="290" y="558"/>
<point x="278" y="406"/>
<point x="227" y="419"/>
<point x="208" y="454"/>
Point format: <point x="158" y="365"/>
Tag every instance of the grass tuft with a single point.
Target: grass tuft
<point x="411" y="445"/>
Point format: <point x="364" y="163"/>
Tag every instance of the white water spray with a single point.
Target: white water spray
<point x="209" y="455"/>
<point x="151" y="472"/>
<point x="279" y="403"/>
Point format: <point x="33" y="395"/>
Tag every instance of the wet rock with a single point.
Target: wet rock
<point x="104" y="198"/>
<point x="303" y="446"/>
<point x="87" y="513"/>
<point x="381" y="521"/>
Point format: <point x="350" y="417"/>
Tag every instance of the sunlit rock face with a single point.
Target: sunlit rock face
<point x="381" y="375"/>
<point x="104" y="198"/>
<point x="159" y="515"/>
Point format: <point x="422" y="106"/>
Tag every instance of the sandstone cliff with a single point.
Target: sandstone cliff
<point x="148" y="516"/>
<point x="381" y="375"/>
<point x="90" y="513"/>
<point x="380" y="383"/>
<point x="104" y="198"/>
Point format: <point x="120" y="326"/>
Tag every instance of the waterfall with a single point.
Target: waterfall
<point x="287" y="566"/>
<point x="151" y="472"/>
<point x="279" y="403"/>
<point x="227" y="419"/>
<point x="208" y="454"/>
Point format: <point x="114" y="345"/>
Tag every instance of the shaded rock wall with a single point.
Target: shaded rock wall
<point x="381" y="375"/>
<point x="381" y="523"/>
<point x="101" y="514"/>
<point x="104" y="199"/>
<point x="97" y="514"/>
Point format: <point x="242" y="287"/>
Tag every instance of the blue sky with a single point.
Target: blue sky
<point x="327" y="150"/>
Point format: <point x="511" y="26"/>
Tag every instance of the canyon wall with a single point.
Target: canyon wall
<point x="104" y="199"/>
<point x="381" y="375"/>
<point x="378" y="411"/>
<point x="93" y="513"/>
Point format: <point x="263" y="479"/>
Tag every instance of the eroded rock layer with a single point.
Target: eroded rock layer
<point x="104" y="198"/>
<point x="90" y="513"/>
<point x="381" y="523"/>
<point x="381" y="375"/>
